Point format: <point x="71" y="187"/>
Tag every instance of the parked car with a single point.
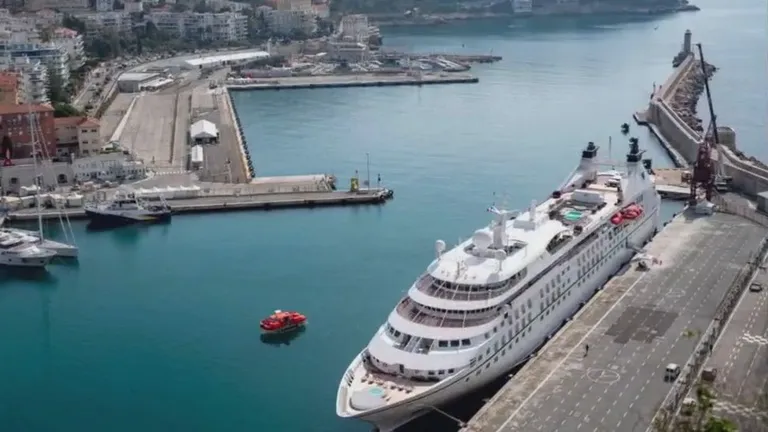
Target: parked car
<point x="755" y="287"/>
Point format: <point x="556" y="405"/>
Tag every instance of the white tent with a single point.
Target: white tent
<point x="203" y="129"/>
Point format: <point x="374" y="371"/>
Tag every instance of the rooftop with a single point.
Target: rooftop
<point x="203" y="129"/>
<point x="24" y="108"/>
<point x="137" y="76"/>
<point x="246" y="55"/>
<point x="76" y="121"/>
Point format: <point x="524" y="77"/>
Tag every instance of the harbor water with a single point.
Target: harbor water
<point x="156" y="328"/>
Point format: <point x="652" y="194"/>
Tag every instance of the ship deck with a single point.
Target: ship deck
<point x="638" y="324"/>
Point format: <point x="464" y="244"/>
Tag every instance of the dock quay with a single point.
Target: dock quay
<point x="635" y="326"/>
<point x="357" y="80"/>
<point x="270" y="201"/>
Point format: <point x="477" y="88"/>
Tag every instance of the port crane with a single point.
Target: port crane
<point x="707" y="176"/>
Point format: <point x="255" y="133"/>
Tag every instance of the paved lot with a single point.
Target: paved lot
<point x="149" y="130"/>
<point x="637" y="325"/>
<point x="741" y="359"/>
<point x="114" y="114"/>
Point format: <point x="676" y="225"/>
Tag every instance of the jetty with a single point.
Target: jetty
<point x="671" y="117"/>
<point x="234" y="203"/>
<point x="356" y="80"/>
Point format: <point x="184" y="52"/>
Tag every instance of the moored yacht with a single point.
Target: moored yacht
<point x="484" y="306"/>
<point x="62" y="250"/>
<point x="16" y="252"/>
<point x="126" y="208"/>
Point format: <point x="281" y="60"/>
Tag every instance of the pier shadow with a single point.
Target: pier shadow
<point x="278" y="339"/>
<point x="40" y="276"/>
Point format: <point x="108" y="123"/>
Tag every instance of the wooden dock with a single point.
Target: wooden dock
<point x="235" y="203"/>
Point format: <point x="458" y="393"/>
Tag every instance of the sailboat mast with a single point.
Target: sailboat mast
<point x="368" y="169"/>
<point x="38" y="180"/>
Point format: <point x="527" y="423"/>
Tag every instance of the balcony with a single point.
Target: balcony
<point x="450" y="291"/>
<point x="410" y="310"/>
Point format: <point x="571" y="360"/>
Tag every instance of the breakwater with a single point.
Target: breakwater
<point x="671" y="116"/>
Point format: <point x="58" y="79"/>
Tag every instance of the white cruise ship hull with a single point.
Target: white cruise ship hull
<point x="393" y="416"/>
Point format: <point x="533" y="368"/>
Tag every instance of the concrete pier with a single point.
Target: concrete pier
<point x="359" y="80"/>
<point x="271" y="201"/>
<point x="640" y="322"/>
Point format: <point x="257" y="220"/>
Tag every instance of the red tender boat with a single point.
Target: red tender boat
<point x="282" y="322"/>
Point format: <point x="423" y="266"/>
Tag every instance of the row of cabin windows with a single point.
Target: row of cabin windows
<point x="552" y="290"/>
<point x="552" y="302"/>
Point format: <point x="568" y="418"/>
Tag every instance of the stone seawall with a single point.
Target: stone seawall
<point x="672" y="111"/>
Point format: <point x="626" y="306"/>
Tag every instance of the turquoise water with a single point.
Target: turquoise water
<point x="157" y="328"/>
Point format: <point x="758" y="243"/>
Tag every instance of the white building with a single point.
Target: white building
<point x="108" y="167"/>
<point x="95" y="23"/>
<point x="294" y="5"/>
<point x="51" y="55"/>
<point x="354" y="28"/>
<point x="33" y="85"/>
<point x="227" y="26"/>
<point x="72" y="42"/>
<point x="60" y="5"/>
<point x="285" y="22"/>
<point x="218" y="5"/>
<point x="105" y="5"/>
<point x="134" y="6"/>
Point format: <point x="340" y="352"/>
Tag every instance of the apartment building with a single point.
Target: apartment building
<point x="134" y="6"/>
<point x="67" y="6"/>
<point x="9" y="88"/>
<point x="97" y="23"/>
<point x="77" y="136"/>
<point x="228" y="26"/>
<point x="15" y="122"/>
<point x="354" y="28"/>
<point x="54" y="57"/>
<point x="32" y="79"/>
<point x="290" y="16"/>
<point x="71" y="42"/>
<point x="218" y="5"/>
<point x="105" y="5"/>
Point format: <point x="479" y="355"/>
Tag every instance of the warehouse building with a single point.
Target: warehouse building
<point x="133" y="82"/>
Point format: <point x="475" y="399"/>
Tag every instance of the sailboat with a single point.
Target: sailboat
<point x="67" y="248"/>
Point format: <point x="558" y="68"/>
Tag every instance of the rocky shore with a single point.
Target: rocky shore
<point x="687" y="95"/>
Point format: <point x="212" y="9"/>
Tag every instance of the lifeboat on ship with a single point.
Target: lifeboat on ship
<point x="282" y="322"/>
<point x="617" y="219"/>
<point x="632" y="211"/>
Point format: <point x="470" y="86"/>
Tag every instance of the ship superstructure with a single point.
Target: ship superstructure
<point x="484" y="306"/>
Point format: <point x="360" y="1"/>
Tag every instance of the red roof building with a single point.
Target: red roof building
<point x="15" y="124"/>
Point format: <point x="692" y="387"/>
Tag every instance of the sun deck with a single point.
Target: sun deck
<point x="389" y="389"/>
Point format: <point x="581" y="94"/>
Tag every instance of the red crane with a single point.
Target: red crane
<point x="703" y="176"/>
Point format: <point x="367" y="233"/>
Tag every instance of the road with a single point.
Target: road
<point x="741" y="359"/>
<point x="645" y="322"/>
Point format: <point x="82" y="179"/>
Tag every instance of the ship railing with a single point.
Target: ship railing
<point x="411" y="312"/>
<point x="436" y="289"/>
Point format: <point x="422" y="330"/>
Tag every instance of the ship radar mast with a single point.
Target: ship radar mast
<point x="499" y="226"/>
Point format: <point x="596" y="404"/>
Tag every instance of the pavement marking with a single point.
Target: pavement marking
<point x="570" y="352"/>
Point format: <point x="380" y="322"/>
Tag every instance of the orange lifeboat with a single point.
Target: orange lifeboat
<point x="632" y="211"/>
<point x="282" y="322"/>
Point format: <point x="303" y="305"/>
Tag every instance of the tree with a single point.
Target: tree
<point x="61" y="109"/>
<point x="73" y="23"/>
<point x="6" y="147"/>
<point x="57" y="88"/>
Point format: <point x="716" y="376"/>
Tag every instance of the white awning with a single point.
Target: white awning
<point x="203" y="129"/>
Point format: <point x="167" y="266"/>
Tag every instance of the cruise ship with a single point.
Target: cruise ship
<point x="484" y="306"/>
